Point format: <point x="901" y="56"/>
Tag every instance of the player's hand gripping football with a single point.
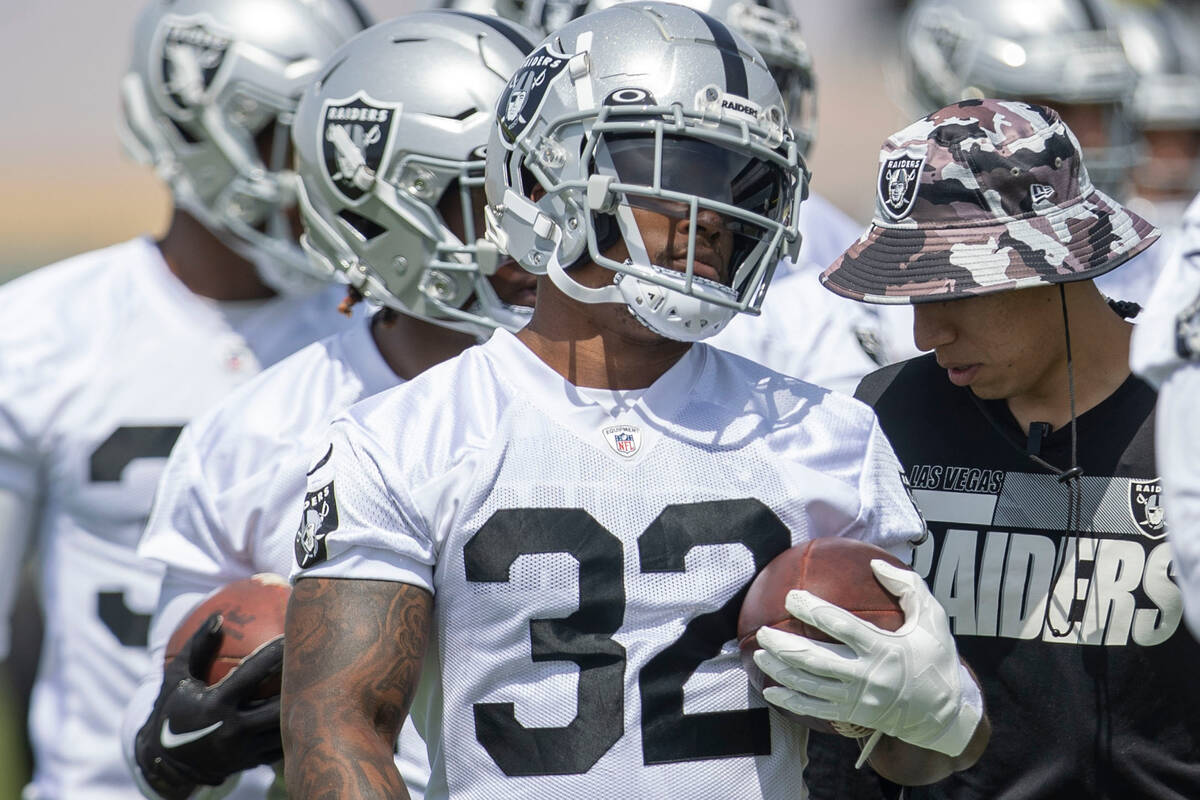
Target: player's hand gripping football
<point x="908" y="683"/>
<point x="200" y="734"/>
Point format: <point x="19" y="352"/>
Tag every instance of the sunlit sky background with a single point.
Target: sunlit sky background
<point x="66" y="187"/>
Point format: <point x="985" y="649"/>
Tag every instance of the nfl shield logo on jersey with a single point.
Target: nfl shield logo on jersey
<point x="355" y="136"/>
<point x="1145" y="506"/>
<point x="625" y="440"/>
<point x="320" y="518"/>
<point x="899" y="177"/>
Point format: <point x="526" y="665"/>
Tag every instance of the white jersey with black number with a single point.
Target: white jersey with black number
<point x="227" y="503"/>
<point x="588" y="554"/>
<point x="103" y="358"/>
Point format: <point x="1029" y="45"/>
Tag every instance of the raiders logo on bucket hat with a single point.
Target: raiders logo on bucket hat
<point x="984" y="196"/>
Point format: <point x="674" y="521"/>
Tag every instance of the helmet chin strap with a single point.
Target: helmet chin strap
<point x="667" y="312"/>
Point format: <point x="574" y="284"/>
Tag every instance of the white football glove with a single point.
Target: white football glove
<point x="908" y="683"/>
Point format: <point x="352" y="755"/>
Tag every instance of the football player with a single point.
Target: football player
<point x="389" y="153"/>
<point x="588" y="500"/>
<point x="1029" y="447"/>
<point x="831" y="343"/>
<point x="105" y="356"/>
<point x="1166" y="352"/>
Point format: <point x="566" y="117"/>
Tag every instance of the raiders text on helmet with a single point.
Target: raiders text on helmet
<point x="775" y="32"/>
<point x="208" y="101"/>
<point x="710" y="135"/>
<point x="389" y="146"/>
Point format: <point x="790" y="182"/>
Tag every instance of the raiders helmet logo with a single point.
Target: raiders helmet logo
<point x="190" y="57"/>
<point x="356" y="136"/>
<point x="899" y="177"/>
<point x="1145" y="507"/>
<point x="522" y="97"/>
<point x="320" y="519"/>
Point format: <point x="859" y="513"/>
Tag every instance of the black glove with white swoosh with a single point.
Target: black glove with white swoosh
<point x="200" y="734"/>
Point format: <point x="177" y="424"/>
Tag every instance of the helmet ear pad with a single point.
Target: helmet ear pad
<point x="608" y="233"/>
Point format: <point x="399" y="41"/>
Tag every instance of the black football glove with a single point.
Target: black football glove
<point x="201" y="734"/>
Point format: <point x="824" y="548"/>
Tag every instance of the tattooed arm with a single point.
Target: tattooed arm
<point x="351" y="665"/>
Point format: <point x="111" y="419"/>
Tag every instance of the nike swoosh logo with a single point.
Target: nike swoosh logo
<point x="170" y="739"/>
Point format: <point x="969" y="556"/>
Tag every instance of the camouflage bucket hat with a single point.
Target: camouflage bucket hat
<point x="984" y="196"/>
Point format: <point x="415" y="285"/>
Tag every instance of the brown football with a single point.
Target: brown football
<point x="252" y="611"/>
<point x="835" y="569"/>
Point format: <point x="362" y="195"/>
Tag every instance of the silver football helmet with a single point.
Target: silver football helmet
<point x="775" y="33"/>
<point x="654" y="107"/>
<point x="1162" y="42"/>
<point x="540" y="16"/>
<point x="1061" y="53"/>
<point x="389" y="147"/>
<point x="208" y="102"/>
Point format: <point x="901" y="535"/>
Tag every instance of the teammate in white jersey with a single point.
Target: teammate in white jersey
<point x="1166" y="352"/>
<point x="225" y="508"/>
<point x="588" y="500"/>
<point x="105" y="356"/>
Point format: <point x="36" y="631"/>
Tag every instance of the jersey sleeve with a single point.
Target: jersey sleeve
<point x="358" y="518"/>
<point x="1164" y="336"/>
<point x="888" y="515"/>
<point x="186" y="531"/>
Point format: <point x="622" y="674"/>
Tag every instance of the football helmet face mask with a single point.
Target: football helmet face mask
<point x="682" y="118"/>
<point x="390" y="157"/>
<point x="775" y="33"/>
<point x="1060" y="53"/>
<point x="208" y="102"/>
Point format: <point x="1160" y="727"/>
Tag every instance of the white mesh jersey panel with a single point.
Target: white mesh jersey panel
<point x="103" y="359"/>
<point x="585" y="599"/>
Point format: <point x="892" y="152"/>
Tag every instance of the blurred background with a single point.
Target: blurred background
<point x="66" y="187"/>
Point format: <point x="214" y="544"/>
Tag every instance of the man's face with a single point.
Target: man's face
<point x="665" y="236"/>
<point x="1168" y="172"/>
<point x="1000" y="345"/>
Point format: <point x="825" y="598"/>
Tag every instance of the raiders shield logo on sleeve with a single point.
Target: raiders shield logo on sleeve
<point x="522" y="97"/>
<point x="320" y="519"/>
<point x="899" y="177"/>
<point x="190" y="57"/>
<point x="355" y="140"/>
<point x="1145" y="506"/>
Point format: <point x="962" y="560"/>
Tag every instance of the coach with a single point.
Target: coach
<point x="1029" y="447"/>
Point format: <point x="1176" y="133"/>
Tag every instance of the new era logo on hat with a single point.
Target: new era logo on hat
<point x="984" y="196"/>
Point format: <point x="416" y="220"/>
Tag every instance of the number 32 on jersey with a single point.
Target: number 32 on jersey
<point x="585" y="637"/>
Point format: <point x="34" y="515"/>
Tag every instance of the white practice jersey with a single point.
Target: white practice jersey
<point x="227" y="503"/>
<point x="807" y="331"/>
<point x="1171" y="319"/>
<point x="103" y="358"/>
<point x="1166" y="352"/>
<point x="587" y="566"/>
<point x="825" y="232"/>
